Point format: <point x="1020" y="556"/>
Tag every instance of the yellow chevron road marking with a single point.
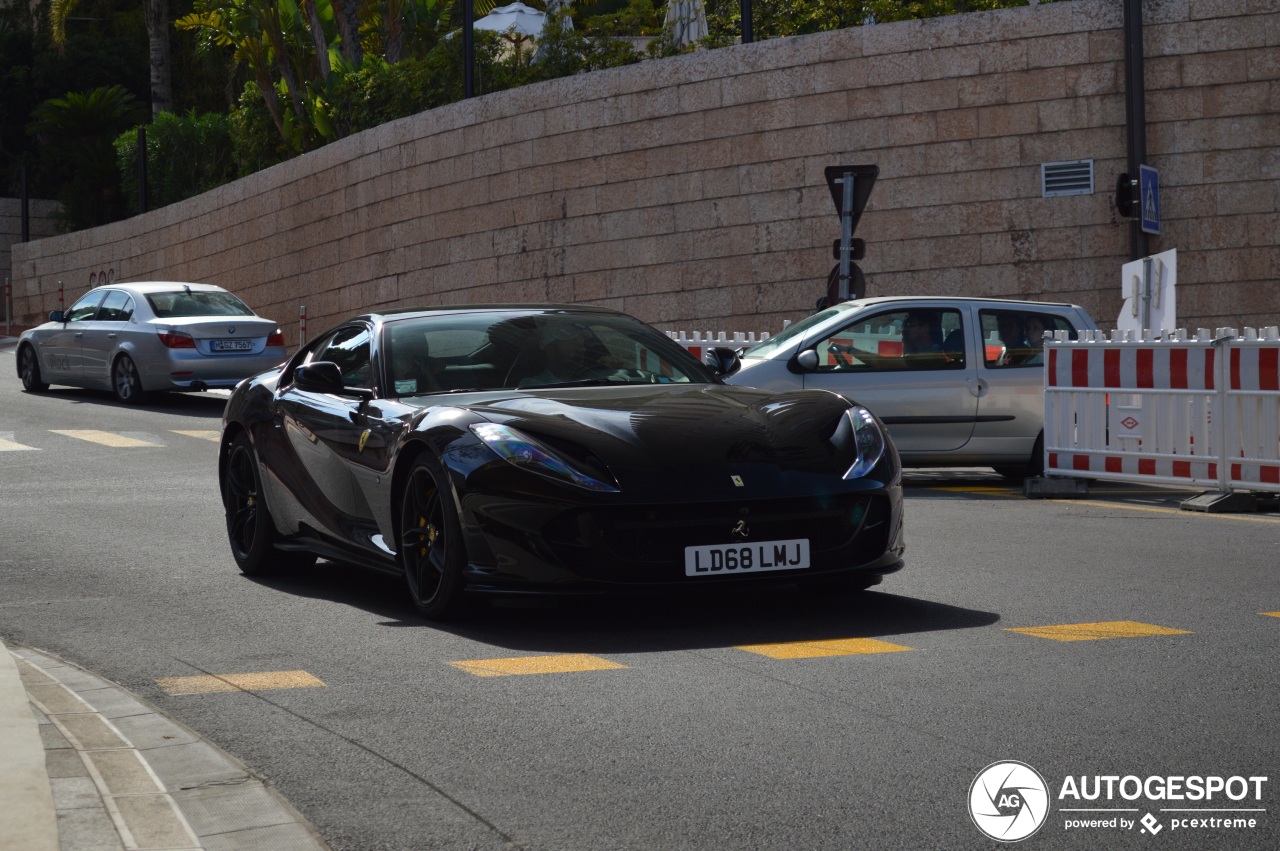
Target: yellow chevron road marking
<point x="262" y="681"/>
<point x="105" y="438"/>
<point x="827" y="647"/>
<point x="1097" y="631"/>
<point x="567" y="663"/>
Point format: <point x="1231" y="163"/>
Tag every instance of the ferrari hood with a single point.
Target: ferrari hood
<point x="682" y="430"/>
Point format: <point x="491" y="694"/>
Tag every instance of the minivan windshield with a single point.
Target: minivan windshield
<point x="790" y="333"/>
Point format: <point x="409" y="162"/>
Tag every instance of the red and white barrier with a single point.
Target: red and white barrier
<point x="697" y="342"/>
<point x="1203" y="412"/>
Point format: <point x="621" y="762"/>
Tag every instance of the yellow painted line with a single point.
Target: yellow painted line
<point x="1270" y="614"/>
<point x="1245" y="517"/>
<point x="7" y="444"/>
<point x="203" y="435"/>
<point x="564" y="664"/>
<point x="1097" y="631"/>
<point x="105" y="438"/>
<point x="827" y="647"/>
<point x="263" y="681"/>
<point x="974" y="489"/>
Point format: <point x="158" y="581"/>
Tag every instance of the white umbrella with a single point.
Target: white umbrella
<point x="516" y="21"/>
<point x="554" y="6"/>
<point x="687" y="21"/>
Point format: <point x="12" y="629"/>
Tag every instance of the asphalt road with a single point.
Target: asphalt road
<point x="670" y="724"/>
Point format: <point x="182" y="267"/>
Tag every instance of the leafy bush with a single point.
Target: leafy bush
<point x="186" y="155"/>
<point x="255" y="142"/>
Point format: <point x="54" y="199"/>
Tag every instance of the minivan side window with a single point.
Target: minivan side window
<point x="915" y="339"/>
<point x="1015" y="338"/>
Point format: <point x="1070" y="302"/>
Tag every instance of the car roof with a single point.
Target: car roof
<point x="875" y="301"/>
<point x="144" y="287"/>
<point x="412" y="312"/>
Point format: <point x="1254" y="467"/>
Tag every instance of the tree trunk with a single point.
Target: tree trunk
<point x="156" y="13"/>
<point x="347" y="14"/>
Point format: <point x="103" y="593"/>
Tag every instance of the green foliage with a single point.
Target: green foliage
<point x="255" y="142"/>
<point x="635" y="18"/>
<point x="186" y="155"/>
<point x="779" y="18"/>
<point x="77" y="130"/>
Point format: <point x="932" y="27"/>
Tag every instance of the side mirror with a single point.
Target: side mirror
<point x="325" y="377"/>
<point x="807" y="360"/>
<point x="723" y="360"/>
<point x="56" y="316"/>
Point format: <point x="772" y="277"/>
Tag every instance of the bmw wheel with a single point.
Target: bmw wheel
<point x="431" y="549"/>
<point x="250" y="529"/>
<point x="126" y="382"/>
<point x="29" y="370"/>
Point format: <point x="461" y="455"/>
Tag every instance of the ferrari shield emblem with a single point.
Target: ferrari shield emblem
<point x="364" y="437"/>
<point x="737" y="481"/>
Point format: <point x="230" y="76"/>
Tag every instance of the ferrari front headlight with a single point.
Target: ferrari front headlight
<point x="868" y="439"/>
<point x="525" y="452"/>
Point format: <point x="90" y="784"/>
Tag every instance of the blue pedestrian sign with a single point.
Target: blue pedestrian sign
<point x="1149" y="198"/>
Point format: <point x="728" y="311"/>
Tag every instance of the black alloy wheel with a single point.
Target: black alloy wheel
<point x="250" y="529"/>
<point x="431" y="548"/>
<point x="29" y="369"/>
<point x="126" y="382"/>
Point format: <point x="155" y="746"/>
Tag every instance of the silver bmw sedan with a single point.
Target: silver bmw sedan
<point x="133" y="339"/>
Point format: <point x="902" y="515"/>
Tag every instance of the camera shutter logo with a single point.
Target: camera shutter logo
<point x="1008" y="801"/>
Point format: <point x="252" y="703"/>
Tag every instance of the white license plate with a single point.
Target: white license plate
<point x="231" y="345"/>
<point x="724" y="559"/>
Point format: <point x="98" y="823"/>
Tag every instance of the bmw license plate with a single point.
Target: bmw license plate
<point x="757" y="557"/>
<point x="231" y="345"/>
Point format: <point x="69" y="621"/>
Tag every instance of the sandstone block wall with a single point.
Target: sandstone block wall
<point x="690" y="191"/>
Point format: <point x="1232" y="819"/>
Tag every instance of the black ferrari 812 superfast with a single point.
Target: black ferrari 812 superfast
<point x="513" y="449"/>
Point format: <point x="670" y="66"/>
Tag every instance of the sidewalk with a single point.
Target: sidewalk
<point x="87" y="766"/>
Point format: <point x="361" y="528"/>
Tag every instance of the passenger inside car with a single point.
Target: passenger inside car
<point x="921" y="346"/>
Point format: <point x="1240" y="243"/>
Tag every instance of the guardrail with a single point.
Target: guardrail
<point x="1202" y="411"/>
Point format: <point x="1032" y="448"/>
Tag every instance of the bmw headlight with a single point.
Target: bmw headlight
<point x="869" y="440"/>
<point x="526" y="453"/>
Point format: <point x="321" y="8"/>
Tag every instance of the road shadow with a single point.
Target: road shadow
<point x="200" y="405"/>
<point x="642" y="623"/>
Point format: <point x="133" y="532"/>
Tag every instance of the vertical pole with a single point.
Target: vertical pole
<point x="142" y="168"/>
<point x="846" y="234"/>
<point x="26" y="204"/>
<point x="468" y="49"/>
<point x="746" y="22"/>
<point x="8" y="298"/>
<point x="61" y="302"/>
<point x="1135" y="114"/>
<point x="302" y="325"/>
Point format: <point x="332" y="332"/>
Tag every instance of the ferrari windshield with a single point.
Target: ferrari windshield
<point x="508" y="350"/>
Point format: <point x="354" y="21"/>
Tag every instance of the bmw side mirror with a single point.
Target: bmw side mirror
<point x="807" y="360"/>
<point x="56" y="316"/>
<point x="723" y="360"/>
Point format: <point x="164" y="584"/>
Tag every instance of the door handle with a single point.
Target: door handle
<point x="79" y="334"/>
<point x="111" y="336"/>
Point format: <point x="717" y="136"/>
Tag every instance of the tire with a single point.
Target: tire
<point x="126" y="383"/>
<point x="29" y="370"/>
<point x="250" y="530"/>
<point x="432" y="552"/>
<point x="1032" y="468"/>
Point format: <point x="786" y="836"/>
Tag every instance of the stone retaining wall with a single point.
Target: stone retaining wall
<point x="690" y="192"/>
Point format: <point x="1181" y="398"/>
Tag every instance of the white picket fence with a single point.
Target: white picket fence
<point x="1201" y="411"/>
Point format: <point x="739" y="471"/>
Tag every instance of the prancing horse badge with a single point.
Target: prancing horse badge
<point x="737" y="481"/>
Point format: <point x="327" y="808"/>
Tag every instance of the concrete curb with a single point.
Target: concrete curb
<point x="30" y="819"/>
<point x="119" y="774"/>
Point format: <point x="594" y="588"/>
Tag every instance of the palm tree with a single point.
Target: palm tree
<point x="156" y="13"/>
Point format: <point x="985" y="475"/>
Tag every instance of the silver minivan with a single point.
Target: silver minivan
<point x="958" y="381"/>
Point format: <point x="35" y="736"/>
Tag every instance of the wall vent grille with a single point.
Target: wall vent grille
<point x="1066" y="178"/>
